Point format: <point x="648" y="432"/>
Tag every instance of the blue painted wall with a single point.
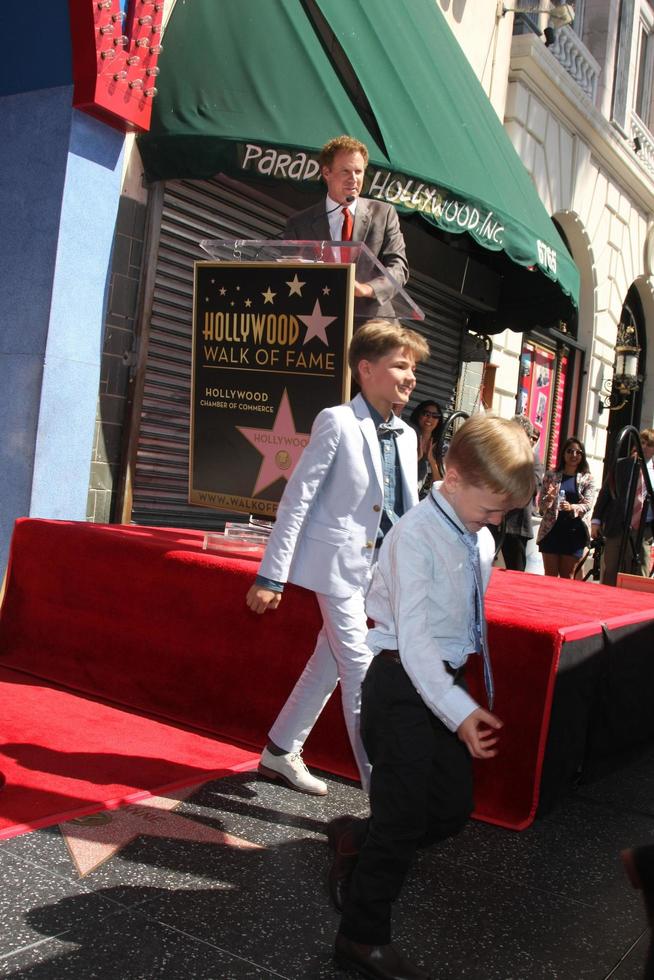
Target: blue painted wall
<point x="37" y="48"/>
<point x="60" y="175"/>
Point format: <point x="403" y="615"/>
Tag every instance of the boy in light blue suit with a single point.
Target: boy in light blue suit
<point x="354" y="480"/>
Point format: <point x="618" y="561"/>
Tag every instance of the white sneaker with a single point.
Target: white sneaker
<point x="291" y="769"/>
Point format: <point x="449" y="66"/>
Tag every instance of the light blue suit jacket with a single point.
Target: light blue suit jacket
<point x="327" y="521"/>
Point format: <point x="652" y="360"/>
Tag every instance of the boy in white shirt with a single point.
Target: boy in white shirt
<point x="419" y="725"/>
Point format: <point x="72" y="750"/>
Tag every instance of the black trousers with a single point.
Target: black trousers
<point x="420" y="793"/>
<point x="514" y="552"/>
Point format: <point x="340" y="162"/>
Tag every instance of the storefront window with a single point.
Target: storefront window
<point x="537" y="365"/>
<point x="545" y="393"/>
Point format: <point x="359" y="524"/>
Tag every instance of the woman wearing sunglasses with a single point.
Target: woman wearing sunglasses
<point x="426" y="419"/>
<point x="565" y="504"/>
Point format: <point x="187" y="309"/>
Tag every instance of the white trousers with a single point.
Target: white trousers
<point x="341" y="654"/>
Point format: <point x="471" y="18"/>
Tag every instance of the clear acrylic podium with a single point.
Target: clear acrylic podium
<point x="395" y="302"/>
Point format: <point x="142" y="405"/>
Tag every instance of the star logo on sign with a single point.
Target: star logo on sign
<point x="94" y="840"/>
<point x="268" y="296"/>
<point x="326" y="290"/>
<point x="295" y="286"/>
<point x="280" y="447"/>
<point x="316" y="325"/>
<point x="248" y="303"/>
<point x="222" y="290"/>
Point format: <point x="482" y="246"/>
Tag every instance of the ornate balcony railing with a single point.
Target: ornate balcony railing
<point x="643" y="142"/>
<point x="577" y="60"/>
<point x="568" y="50"/>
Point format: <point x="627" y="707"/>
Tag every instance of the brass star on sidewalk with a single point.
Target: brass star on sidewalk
<point x="94" y="840"/>
<point x="295" y="286"/>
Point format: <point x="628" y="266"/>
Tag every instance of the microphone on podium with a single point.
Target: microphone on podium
<point x="348" y="200"/>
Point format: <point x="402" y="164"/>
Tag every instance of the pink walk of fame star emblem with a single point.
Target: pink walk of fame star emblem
<point x="280" y="447"/>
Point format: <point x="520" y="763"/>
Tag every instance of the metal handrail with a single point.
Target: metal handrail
<point x="446" y="434"/>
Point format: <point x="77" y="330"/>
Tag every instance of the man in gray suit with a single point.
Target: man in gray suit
<point x="345" y="216"/>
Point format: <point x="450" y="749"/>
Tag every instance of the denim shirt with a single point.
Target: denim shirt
<point x="392" y="475"/>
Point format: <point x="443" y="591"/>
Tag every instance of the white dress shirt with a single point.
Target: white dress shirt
<point x="422" y="601"/>
<point x="335" y="216"/>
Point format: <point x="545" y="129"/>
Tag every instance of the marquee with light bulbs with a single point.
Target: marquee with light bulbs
<point x="115" y="54"/>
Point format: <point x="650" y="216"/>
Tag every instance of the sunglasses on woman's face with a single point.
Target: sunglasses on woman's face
<point x="430" y="415"/>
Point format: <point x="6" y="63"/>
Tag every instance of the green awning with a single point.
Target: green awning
<point x="243" y="71"/>
<point x="243" y="78"/>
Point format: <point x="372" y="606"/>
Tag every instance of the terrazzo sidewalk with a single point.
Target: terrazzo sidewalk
<point x="229" y="884"/>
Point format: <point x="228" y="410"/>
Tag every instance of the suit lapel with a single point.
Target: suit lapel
<point x="369" y="432"/>
<point x="361" y="220"/>
<point x="407" y="456"/>
<point x="320" y="224"/>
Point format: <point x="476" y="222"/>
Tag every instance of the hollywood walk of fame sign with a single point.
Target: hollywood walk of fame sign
<point x="269" y="353"/>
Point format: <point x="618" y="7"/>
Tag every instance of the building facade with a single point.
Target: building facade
<point x="576" y="103"/>
<point x="578" y="112"/>
<point x="459" y="284"/>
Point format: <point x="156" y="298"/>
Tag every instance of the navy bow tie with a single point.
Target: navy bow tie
<point x="386" y="428"/>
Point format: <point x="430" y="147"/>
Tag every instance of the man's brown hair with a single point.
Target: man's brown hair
<point x="496" y="454"/>
<point x="375" y="338"/>
<point x="345" y="144"/>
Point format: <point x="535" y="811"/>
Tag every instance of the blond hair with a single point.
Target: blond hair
<point x="494" y="453"/>
<point x="342" y="144"/>
<point x="647" y="436"/>
<point x="375" y="338"/>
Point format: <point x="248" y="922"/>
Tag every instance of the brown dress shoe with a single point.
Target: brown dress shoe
<point x="375" y="962"/>
<point x="639" y="864"/>
<point x="344" y="847"/>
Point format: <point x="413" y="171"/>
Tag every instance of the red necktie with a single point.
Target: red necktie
<point x="348" y="224"/>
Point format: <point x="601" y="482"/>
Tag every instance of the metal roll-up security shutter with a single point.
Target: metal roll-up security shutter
<point x="192" y="210"/>
<point x="442" y="328"/>
<point x="222" y="208"/>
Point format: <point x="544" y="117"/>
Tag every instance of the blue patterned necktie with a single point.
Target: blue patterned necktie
<point x="471" y="543"/>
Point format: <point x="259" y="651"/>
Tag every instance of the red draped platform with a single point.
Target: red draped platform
<point x="141" y="624"/>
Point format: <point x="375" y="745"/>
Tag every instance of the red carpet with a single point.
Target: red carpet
<point x="144" y="619"/>
<point x="533" y="623"/>
<point x="65" y="756"/>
